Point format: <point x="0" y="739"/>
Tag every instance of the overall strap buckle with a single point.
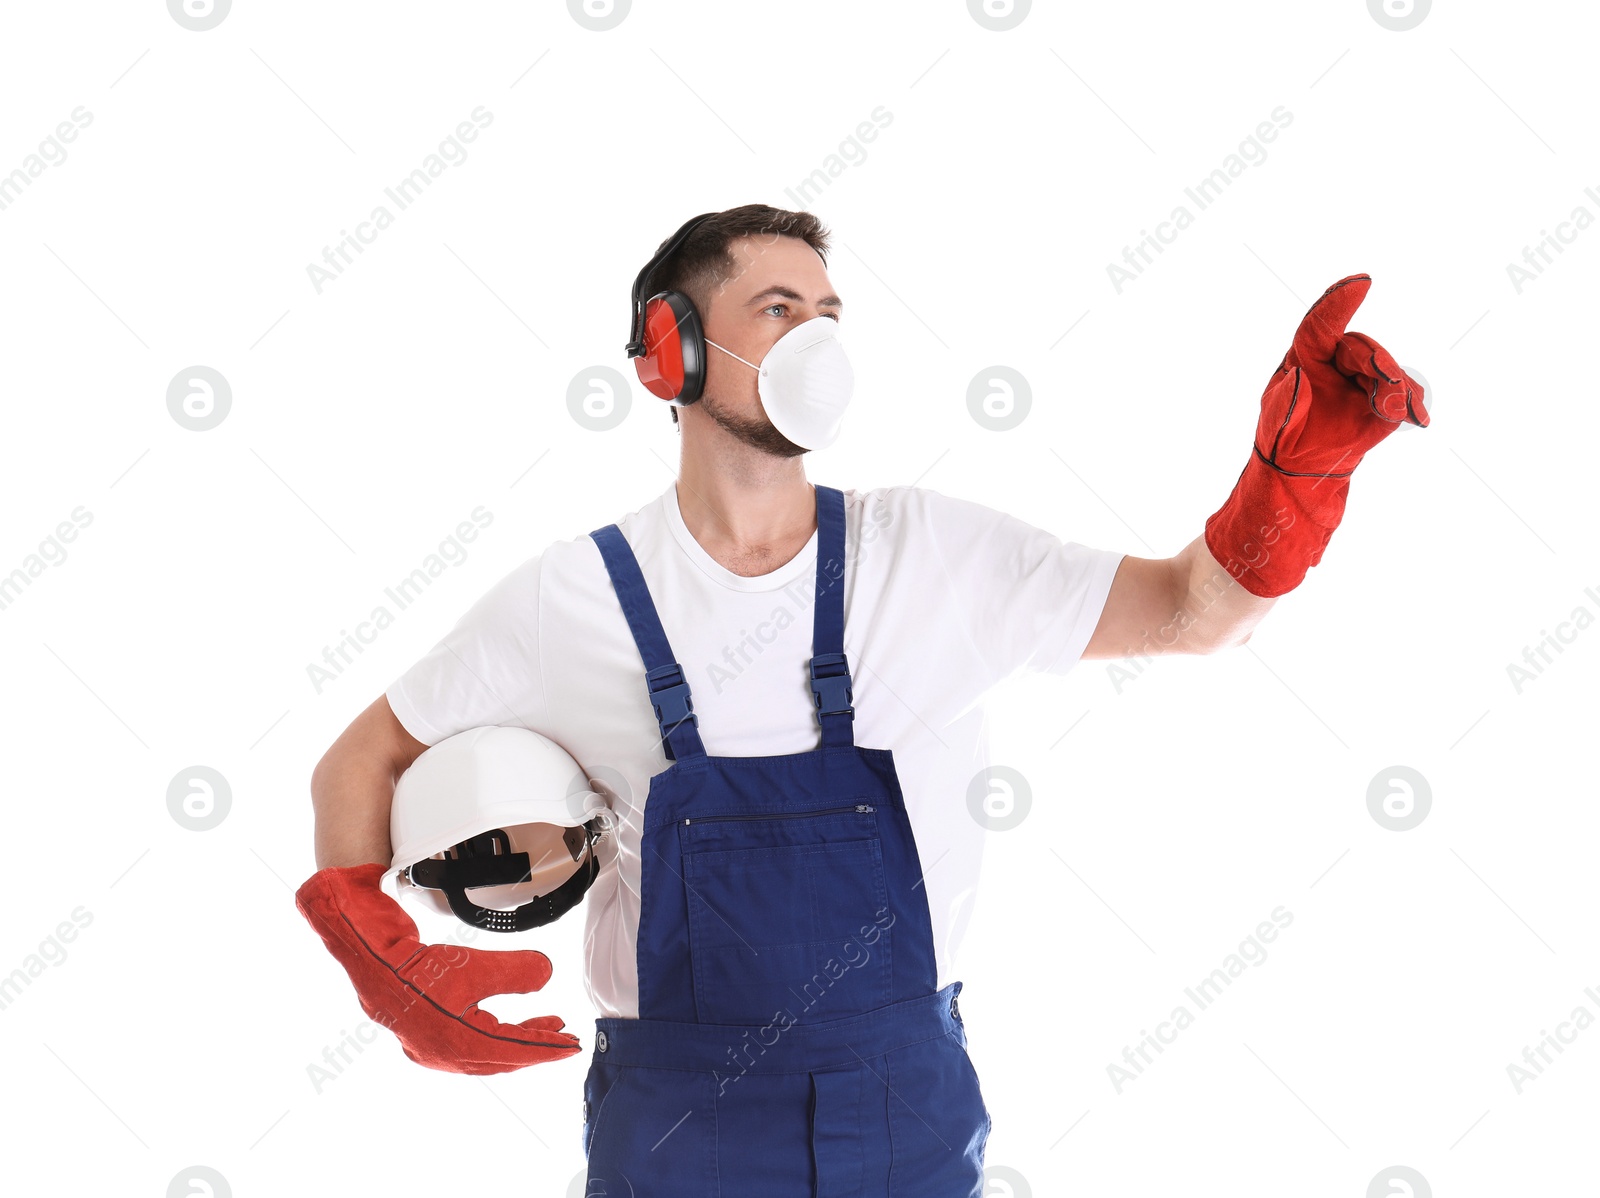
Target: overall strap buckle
<point x="669" y="695"/>
<point x="830" y="684"/>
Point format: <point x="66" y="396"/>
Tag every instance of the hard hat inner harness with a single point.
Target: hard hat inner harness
<point x="487" y="860"/>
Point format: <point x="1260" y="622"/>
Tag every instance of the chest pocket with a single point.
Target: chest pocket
<point x="789" y="917"/>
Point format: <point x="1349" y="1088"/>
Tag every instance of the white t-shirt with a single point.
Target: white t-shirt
<point x="943" y="599"/>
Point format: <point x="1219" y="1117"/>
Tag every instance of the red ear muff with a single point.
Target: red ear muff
<point x="664" y="335"/>
<point x="673" y="365"/>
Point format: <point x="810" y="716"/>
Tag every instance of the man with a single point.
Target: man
<point x="782" y="683"/>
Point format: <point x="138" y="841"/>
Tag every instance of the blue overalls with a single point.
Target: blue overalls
<point x="791" y="1042"/>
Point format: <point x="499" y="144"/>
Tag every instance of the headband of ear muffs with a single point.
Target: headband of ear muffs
<point x="666" y="339"/>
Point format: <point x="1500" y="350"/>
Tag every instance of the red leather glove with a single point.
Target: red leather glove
<point x="428" y="995"/>
<point x="1333" y="397"/>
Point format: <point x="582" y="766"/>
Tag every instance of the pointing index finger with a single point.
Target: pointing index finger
<point x="1325" y="321"/>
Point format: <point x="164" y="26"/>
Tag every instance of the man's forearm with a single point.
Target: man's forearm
<point x="352" y="788"/>
<point x="352" y="797"/>
<point x="1212" y="611"/>
<point x="1187" y="603"/>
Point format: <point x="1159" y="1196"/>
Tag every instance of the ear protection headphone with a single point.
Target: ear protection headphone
<point x="666" y="338"/>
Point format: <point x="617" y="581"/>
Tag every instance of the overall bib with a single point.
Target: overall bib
<point x="791" y="1042"/>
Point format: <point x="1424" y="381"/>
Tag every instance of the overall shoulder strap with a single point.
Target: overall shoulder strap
<point x="830" y="671"/>
<point x="669" y="691"/>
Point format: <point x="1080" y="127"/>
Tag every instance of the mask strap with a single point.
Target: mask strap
<point x="731" y="354"/>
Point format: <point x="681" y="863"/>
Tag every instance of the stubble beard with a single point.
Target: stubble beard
<point x="756" y="432"/>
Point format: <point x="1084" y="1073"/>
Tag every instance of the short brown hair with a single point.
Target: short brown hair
<point x="704" y="261"/>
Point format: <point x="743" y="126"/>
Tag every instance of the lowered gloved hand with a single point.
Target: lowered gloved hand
<point x="1333" y="397"/>
<point x="428" y="995"/>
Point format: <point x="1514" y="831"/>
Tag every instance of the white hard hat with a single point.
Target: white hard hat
<point x="505" y="812"/>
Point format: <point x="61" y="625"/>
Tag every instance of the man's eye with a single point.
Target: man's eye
<point x="834" y="316"/>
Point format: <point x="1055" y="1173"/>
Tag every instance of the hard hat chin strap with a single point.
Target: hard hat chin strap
<point x="487" y="860"/>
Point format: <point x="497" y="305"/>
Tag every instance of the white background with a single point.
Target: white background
<point x="1169" y="816"/>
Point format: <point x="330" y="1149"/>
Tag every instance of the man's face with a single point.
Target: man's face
<point x="777" y="283"/>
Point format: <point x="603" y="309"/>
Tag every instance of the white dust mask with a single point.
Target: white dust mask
<point x="805" y="382"/>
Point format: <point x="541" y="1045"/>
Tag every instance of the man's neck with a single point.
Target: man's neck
<point x="749" y="526"/>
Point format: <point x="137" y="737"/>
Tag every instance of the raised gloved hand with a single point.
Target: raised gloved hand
<point x="428" y="995"/>
<point x="1333" y="397"/>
